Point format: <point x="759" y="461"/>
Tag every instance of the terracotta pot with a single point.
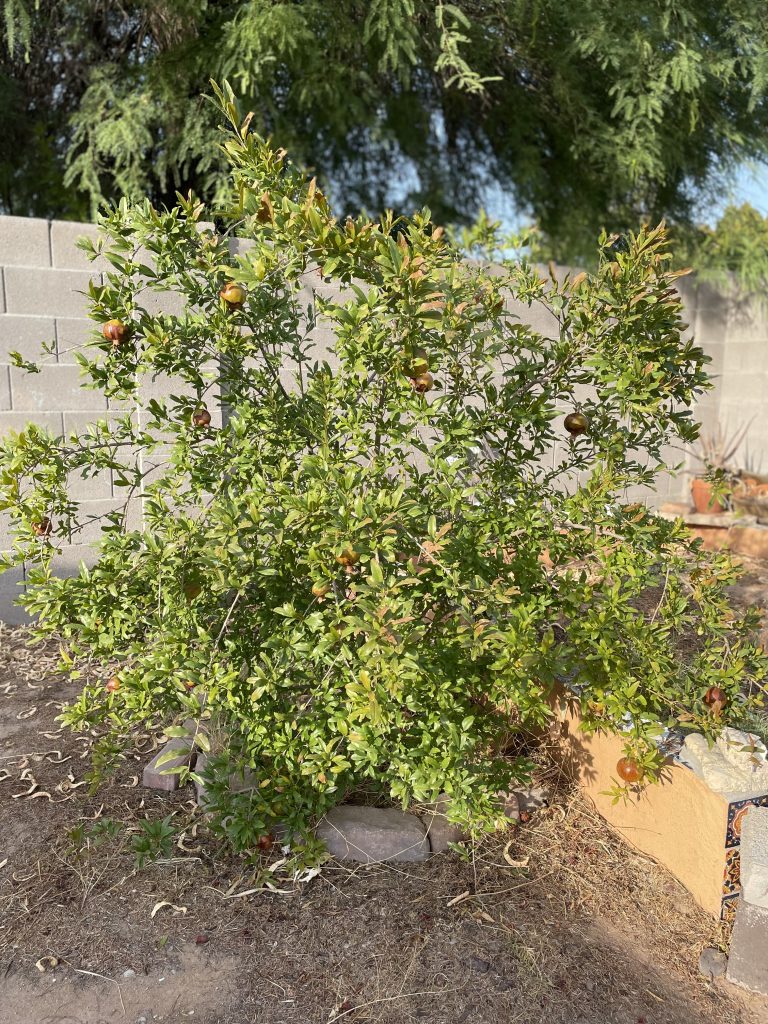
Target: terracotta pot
<point x="701" y="493"/>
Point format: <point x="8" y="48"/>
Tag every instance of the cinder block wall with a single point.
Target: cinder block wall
<point x="43" y="278"/>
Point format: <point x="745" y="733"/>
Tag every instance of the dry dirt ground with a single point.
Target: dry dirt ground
<point x="555" y="921"/>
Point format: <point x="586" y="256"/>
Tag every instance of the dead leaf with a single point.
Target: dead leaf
<point x="459" y="899"/>
<point x="28" y="792"/>
<point x="165" y="903"/>
<point x="521" y="863"/>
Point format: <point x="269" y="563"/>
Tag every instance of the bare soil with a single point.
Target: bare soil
<point x="556" y="920"/>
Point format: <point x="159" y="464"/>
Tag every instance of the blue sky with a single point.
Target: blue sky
<point x="750" y="186"/>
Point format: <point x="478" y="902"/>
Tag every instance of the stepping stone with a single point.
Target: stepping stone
<point x="373" y="834"/>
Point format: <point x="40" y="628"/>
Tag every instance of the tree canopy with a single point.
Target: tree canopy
<point x="588" y="113"/>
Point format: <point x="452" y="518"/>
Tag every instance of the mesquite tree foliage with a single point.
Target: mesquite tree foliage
<point x="374" y="568"/>
<point x="587" y="113"/>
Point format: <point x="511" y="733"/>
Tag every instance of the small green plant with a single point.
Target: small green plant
<point x="154" y="840"/>
<point x="373" y="566"/>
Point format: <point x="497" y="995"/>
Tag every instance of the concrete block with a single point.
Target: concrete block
<point x="156" y="776"/>
<point x="156" y="302"/>
<point x="71" y="334"/>
<point x="24" y="241"/>
<point x="7" y="535"/>
<point x="239" y="246"/>
<point x="754" y="857"/>
<point x="746" y="324"/>
<point x="90" y="488"/>
<point x="740" y="388"/>
<point x="26" y="334"/>
<point x="373" y="834"/>
<point x="748" y="958"/>
<point x="58" y="293"/>
<point x="536" y="317"/>
<point x="65" y="254"/>
<point x="55" y="387"/>
<point x="80" y="421"/>
<point x="709" y="297"/>
<point x="440" y="831"/>
<point x="17" y="421"/>
<point x="68" y="561"/>
<point x="93" y="515"/>
<point x="747" y="357"/>
<point x="11" y="588"/>
<point x="5" y="388"/>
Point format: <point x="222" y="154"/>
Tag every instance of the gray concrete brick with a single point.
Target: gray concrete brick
<point x="239" y="246"/>
<point x="92" y="513"/>
<point x="80" y="421"/>
<point x="5" y="388"/>
<point x="71" y="334"/>
<point x="11" y="588"/>
<point x="747" y="357"/>
<point x="754" y="857"/>
<point x="26" y="334"/>
<point x="55" y="387"/>
<point x="155" y="302"/>
<point x="748" y="959"/>
<point x="65" y="254"/>
<point x="740" y="388"/>
<point x="710" y="327"/>
<point x="90" y="488"/>
<point x="58" y="293"/>
<point x="17" y="421"/>
<point x="24" y="241"/>
<point x="373" y="834"/>
<point x="67" y="562"/>
<point x="536" y="317"/>
<point x="709" y="296"/>
<point x="7" y="535"/>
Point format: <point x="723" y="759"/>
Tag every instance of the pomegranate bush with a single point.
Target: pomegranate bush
<point x="372" y="568"/>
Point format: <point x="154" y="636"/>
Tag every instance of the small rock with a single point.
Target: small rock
<point x="532" y="798"/>
<point x="373" y="834"/>
<point x="479" y="966"/>
<point x="509" y="805"/>
<point x="158" y="777"/>
<point x="712" y="963"/>
<point x="129" y="973"/>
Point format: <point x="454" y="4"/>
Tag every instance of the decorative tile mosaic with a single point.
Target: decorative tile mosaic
<point x="728" y="909"/>
<point x="732" y="874"/>
<point x="736" y="812"/>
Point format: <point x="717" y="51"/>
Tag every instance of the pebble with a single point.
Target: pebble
<point x="712" y="963"/>
<point x="129" y="973"/>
